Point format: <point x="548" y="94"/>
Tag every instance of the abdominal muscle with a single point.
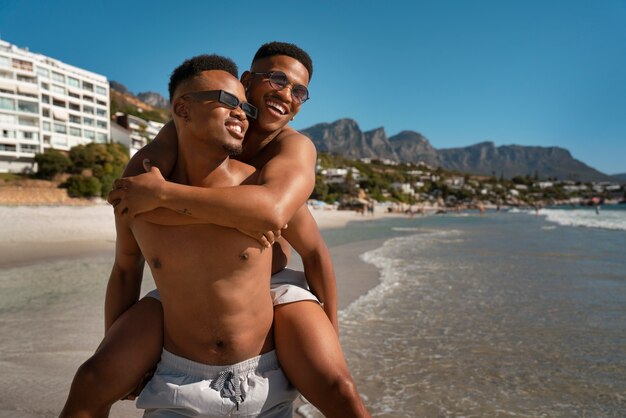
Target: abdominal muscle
<point x="214" y="286"/>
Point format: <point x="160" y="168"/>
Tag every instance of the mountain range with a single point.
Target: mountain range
<point x="344" y="137"/>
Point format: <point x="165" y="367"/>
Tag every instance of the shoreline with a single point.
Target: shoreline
<point x="37" y="235"/>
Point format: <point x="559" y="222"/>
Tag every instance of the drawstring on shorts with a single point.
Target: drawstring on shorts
<point x="227" y="384"/>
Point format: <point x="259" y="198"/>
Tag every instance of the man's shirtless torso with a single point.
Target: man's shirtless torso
<point x="217" y="306"/>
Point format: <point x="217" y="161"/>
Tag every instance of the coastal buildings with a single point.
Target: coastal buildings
<point x="133" y="131"/>
<point x="45" y="103"/>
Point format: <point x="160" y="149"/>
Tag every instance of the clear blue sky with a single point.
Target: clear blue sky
<point x="531" y="72"/>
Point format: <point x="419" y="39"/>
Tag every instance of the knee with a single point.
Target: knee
<point x="90" y="374"/>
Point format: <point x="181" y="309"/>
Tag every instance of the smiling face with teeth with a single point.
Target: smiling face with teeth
<point x="276" y="107"/>
<point x="211" y="122"/>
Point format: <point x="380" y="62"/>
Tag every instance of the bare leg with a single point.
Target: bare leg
<point x="129" y="350"/>
<point x="310" y="354"/>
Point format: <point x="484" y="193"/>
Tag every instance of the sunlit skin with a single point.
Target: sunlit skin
<point x="305" y="334"/>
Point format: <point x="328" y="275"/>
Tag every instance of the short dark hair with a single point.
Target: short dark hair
<point x="194" y="66"/>
<point x="271" y="49"/>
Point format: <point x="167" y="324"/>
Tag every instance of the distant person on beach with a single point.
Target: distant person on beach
<point x="306" y="340"/>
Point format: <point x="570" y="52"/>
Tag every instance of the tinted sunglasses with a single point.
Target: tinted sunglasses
<point x="278" y="80"/>
<point x="225" y="98"/>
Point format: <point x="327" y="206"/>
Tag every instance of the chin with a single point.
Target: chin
<point x="233" y="150"/>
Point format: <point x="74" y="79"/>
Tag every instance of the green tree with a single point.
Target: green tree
<point x="83" y="186"/>
<point x="51" y="163"/>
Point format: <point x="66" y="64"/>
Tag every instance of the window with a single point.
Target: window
<point x="59" y="128"/>
<point x="101" y="103"/>
<point x="89" y="134"/>
<point x="8" y="148"/>
<point x="74" y="106"/>
<point x="28" y="135"/>
<point x="33" y="149"/>
<point x="45" y="112"/>
<point x="57" y="102"/>
<point x="58" y="77"/>
<point x="101" y="112"/>
<point x="28" y="121"/>
<point x="43" y="72"/>
<point x="45" y="86"/>
<point x="58" y="89"/>
<point x="74" y="95"/>
<point x="8" y="134"/>
<point x="5" y="62"/>
<point x="8" y="119"/>
<point x="26" y="79"/>
<point x="101" y="91"/>
<point x="46" y="126"/>
<point x="22" y="65"/>
<point x="45" y="98"/>
<point x="74" y="131"/>
<point x="27" y="107"/>
<point x="87" y="86"/>
<point x="102" y="124"/>
<point x="101" y="138"/>
<point x="88" y="98"/>
<point x="8" y="104"/>
<point x="88" y="121"/>
<point x="74" y="118"/>
<point x="88" y="109"/>
<point x="74" y="82"/>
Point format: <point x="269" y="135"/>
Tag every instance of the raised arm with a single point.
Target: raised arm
<point x="126" y="276"/>
<point x="304" y="235"/>
<point x="162" y="151"/>
<point x="284" y="184"/>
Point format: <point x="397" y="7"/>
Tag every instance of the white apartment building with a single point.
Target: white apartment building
<point x="45" y="103"/>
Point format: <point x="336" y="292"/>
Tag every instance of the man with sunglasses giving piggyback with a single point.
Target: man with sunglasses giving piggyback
<point x="305" y="331"/>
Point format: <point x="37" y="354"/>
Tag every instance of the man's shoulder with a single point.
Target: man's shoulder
<point x="289" y="137"/>
<point x="244" y="172"/>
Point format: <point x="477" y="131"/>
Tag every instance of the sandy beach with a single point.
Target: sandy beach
<point x="34" y="238"/>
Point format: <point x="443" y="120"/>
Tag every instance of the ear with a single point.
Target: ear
<point x="246" y="79"/>
<point x="180" y="109"/>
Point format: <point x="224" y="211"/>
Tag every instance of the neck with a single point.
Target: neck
<point x="256" y="140"/>
<point x="199" y="164"/>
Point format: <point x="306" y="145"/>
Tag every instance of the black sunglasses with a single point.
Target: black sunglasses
<point x="278" y="80"/>
<point x="225" y="98"/>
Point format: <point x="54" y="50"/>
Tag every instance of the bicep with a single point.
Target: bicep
<point x="303" y="233"/>
<point x="290" y="175"/>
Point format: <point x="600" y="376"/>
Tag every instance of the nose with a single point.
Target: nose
<point x="285" y="93"/>
<point x="238" y="113"/>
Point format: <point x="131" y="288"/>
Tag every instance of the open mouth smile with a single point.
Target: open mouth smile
<point x="276" y="107"/>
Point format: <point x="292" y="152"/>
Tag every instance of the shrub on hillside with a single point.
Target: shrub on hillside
<point x="51" y="163"/>
<point x="83" y="186"/>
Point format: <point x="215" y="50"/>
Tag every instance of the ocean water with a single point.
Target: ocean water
<point x="500" y="315"/>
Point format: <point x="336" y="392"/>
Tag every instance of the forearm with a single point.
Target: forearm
<point x="253" y="207"/>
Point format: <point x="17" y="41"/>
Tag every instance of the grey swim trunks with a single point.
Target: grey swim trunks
<point x="286" y="286"/>
<point x="185" y="388"/>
